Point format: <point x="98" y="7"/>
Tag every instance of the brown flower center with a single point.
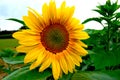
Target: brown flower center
<point x="55" y="38"/>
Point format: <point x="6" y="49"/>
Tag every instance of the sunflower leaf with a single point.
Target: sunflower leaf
<point x="25" y="74"/>
<point x="108" y="60"/>
<point x="14" y="60"/>
<point x="17" y="20"/>
<point x="96" y="75"/>
<point x="93" y="19"/>
<point x="5" y="52"/>
<point x="117" y="15"/>
<point x="66" y="77"/>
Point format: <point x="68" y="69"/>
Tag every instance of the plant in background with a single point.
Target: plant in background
<point x="19" y="21"/>
<point x="106" y="43"/>
<point x="9" y="62"/>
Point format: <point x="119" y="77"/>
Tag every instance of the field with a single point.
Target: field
<point x="8" y="43"/>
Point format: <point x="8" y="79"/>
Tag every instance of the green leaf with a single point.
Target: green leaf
<point x="103" y="13"/>
<point x="7" y="52"/>
<point x="66" y="76"/>
<point x="92" y="19"/>
<point x="25" y="74"/>
<point x="17" y="20"/>
<point x="115" y="6"/>
<point x="96" y="75"/>
<point x="95" y="38"/>
<point x="93" y="31"/>
<point x="108" y="2"/>
<point x="14" y="60"/>
<point x="107" y="9"/>
<point x="108" y="59"/>
<point x="117" y="15"/>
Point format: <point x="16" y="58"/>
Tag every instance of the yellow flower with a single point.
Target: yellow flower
<point x="53" y="38"/>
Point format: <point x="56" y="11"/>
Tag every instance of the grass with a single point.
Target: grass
<point x="8" y="43"/>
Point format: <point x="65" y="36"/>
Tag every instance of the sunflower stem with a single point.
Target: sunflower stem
<point x="108" y="36"/>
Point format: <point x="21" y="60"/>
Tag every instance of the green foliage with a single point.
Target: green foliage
<point x="96" y="75"/>
<point x="25" y="74"/>
<point x="7" y="53"/>
<point x="105" y="43"/>
<point x="104" y="61"/>
<point x="108" y="9"/>
<point x="14" y="60"/>
<point x="93" y="19"/>
<point x="19" y="21"/>
<point x="8" y="59"/>
<point x="8" y="56"/>
<point x="66" y="77"/>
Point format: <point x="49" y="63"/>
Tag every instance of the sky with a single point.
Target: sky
<point x="18" y="8"/>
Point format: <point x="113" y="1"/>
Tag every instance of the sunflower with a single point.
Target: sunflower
<point x="53" y="39"/>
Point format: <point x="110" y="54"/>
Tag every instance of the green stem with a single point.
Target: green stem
<point x="108" y="37"/>
<point x="117" y="39"/>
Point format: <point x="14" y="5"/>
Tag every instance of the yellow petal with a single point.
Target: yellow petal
<point x="75" y="56"/>
<point x="78" y="42"/>
<point x="27" y="37"/>
<point x="77" y="27"/>
<point x="65" y="13"/>
<point x="69" y="61"/>
<point x="32" y="55"/>
<point x="62" y="8"/>
<point x="63" y="63"/>
<point x="78" y="49"/>
<point x="35" y="20"/>
<point x="55" y="68"/>
<point x="68" y="13"/>
<point x="30" y="24"/>
<point x="73" y="22"/>
<point x="61" y="73"/>
<point x="82" y="44"/>
<point x="46" y="15"/>
<point x="74" y="59"/>
<point x="58" y="14"/>
<point x="52" y="11"/>
<point x="30" y="42"/>
<point x="62" y="11"/>
<point x="79" y="35"/>
<point x="42" y="23"/>
<point x="20" y="35"/>
<point x="25" y="49"/>
<point x="39" y="60"/>
<point x="46" y="63"/>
